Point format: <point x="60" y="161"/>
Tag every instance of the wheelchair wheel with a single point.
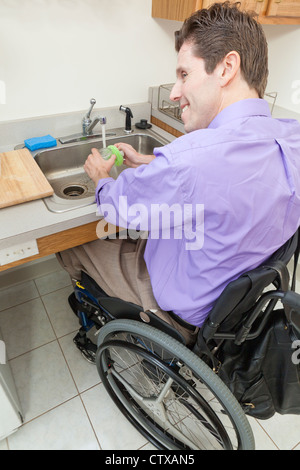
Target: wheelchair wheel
<point x="167" y="392"/>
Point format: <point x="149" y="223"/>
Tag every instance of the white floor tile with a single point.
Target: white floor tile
<point x="17" y="294"/>
<point x="42" y="379"/>
<point x="84" y="374"/>
<point x="262" y="440"/>
<point x="64" y="428"/>
<point x="284" y="430"/>
<point x="60" y="313"/>
<point x="52" y="282"/>
<point x="3" y="445"/>
<point x="25" y="327"/>
<point x="113" y="430"/>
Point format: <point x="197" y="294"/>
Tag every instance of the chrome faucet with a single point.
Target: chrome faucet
<point x="87" y="127"/>
<point x="87" y="124"/>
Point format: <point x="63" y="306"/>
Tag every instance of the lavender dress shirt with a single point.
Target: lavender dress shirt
<point x="216" y="202"/>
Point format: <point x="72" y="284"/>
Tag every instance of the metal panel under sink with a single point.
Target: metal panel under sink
<point x="63" y="167"/>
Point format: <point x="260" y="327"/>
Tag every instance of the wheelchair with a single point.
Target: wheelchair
<point x="174" y="394"/>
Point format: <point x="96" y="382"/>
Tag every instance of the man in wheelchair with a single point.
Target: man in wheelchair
<point x="231" y="184"/>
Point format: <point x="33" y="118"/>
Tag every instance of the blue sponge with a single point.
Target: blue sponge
<point x="40" y="142"/>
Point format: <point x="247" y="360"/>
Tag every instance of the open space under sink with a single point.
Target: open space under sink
<point x="63" y="167"/>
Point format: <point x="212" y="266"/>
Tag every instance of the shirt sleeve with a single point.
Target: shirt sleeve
<point x="138" y="193"/>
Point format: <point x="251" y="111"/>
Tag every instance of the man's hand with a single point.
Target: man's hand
<point x="96" y="167"/>
<point x="132" y="158"/>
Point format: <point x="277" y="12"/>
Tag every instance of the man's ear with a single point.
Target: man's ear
<point x="229" y="67"/>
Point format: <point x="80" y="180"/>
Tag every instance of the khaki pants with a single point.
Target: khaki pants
<point x="118" y="267"/>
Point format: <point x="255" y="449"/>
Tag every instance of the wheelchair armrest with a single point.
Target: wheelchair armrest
<point x="292" y="300"/>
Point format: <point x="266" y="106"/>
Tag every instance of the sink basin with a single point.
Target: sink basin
<point x="63" y="168"/>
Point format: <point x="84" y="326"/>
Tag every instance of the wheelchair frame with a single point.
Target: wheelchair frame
<point x="173" y="372"/>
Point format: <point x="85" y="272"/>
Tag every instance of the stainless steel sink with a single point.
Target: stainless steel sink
<point x="63" y="168"/>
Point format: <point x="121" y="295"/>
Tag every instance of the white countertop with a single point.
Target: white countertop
<point x="32" y="220"/>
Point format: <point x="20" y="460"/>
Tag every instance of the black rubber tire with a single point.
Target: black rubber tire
<point x="107" y="339"/>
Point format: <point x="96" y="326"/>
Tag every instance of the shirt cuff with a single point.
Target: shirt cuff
<point x="100" y="186"/>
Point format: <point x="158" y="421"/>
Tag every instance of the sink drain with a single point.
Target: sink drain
<point x="75" y="190"/>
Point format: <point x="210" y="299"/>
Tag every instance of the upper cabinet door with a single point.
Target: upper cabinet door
<point x="259" y="6"/>
<point x="175" y="9"/>
<point x="268" y="11"/>
<point x="284" y="8"/>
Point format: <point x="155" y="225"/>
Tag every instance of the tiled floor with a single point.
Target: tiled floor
<point x="63" y="401"/>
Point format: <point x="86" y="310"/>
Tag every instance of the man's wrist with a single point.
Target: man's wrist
<point x="101" y="174"/>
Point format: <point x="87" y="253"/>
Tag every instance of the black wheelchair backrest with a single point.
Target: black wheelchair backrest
<point x="241" y="295"/>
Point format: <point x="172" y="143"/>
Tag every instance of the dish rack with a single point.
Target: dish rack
<point x="165" y="105"/>
<point x="172" y="109"/>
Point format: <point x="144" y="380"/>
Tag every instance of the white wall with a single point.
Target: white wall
<point x="57" y="54"/>
<point x="284" y="64"/>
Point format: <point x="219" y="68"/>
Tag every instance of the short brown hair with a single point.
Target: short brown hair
<point x="222" y="28"/>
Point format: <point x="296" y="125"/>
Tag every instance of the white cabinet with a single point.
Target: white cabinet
<point x="10" y="409"/>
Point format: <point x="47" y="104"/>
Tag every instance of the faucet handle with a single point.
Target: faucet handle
<point x="86" y="120"/>
<point x="92" y="102"/>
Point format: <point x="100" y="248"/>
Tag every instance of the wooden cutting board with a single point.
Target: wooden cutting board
<point x="21" y="179"/>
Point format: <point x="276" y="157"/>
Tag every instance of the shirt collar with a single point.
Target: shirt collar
<point x="241" y="109"/>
